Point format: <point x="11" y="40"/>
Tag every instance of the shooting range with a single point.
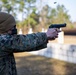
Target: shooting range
<point x="32" y="16"/>
<point x="59" y="50"/>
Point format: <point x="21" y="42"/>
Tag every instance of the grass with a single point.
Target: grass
<point x="28" y="64"/>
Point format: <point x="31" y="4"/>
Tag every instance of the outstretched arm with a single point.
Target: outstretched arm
<point x="29" y="42"/>
<point x="20" y="43"/>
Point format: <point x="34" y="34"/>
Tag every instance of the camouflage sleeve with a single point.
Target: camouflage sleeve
<point x="21" y="43"/>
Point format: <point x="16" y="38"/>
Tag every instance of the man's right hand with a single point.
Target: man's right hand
<point x="52" y="33"/>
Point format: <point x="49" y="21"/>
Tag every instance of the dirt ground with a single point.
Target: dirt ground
<point x="28" y="64"/>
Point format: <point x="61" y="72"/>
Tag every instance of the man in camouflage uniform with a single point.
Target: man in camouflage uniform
<point x="10" y="43"/>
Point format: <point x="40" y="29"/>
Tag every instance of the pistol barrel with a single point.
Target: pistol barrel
<point x="57" y="25"/>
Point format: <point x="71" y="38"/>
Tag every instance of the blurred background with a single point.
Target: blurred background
<point x="39" y="14"/>
<point x="36" y="16"/>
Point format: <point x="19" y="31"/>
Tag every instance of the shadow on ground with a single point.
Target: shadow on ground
<point x="28" y="64"/>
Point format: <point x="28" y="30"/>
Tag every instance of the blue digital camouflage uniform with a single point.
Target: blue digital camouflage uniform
<point x="18" y="43"/>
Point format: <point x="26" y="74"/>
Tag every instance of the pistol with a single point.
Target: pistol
<point x="57" y="25"/>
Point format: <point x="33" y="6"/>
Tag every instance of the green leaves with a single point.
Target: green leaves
<point x="30" y="13"/>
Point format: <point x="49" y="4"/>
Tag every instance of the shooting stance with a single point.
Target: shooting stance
<point x="10" y="42"/>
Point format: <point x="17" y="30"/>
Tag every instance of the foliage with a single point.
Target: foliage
<point x="31" y="18"/>
<point x="60" y="15"/>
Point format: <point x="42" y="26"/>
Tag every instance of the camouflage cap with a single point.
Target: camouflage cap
<point x="7" y="21"/>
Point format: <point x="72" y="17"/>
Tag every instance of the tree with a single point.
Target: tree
<point x="60" y="15"/>
<point x="44" y="16"/>
<point x="29" y="6"/>
<point x="8" y="6"/>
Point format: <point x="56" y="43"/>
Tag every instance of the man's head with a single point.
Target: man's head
<point x="7" y="23"/>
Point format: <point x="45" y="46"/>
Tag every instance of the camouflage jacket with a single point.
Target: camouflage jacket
<point x="18" y="43"/>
